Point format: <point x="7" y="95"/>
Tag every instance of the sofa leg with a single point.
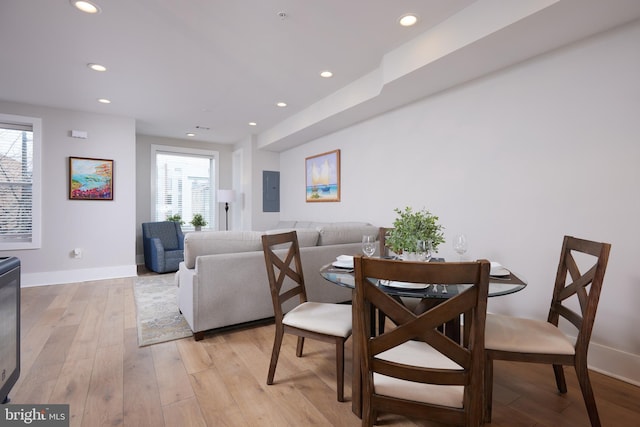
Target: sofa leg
<point x="198" y="335"/>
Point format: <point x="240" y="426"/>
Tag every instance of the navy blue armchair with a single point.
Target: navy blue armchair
<point x="163" y="244"/>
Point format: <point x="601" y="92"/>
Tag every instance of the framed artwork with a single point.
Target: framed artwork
<point x="323" y="177"/>
<point x="90" y="179"/>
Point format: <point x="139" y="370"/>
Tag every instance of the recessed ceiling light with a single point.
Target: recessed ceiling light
<point x="104" y="101"/>
<point x="86" y="6"/>
<point x="253" y="124"/>
<point x="97" y="67"/>
<point x="326" y="74"/>
<point x="191" y="134"/>
<point x="281" y="104"/>
<point x="408" y="20"/>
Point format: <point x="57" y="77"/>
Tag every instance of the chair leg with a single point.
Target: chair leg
<point x="299" y="346"/>
<point x="587" y="394"/>
<point x="369" y="415"/>
<point x="277" y="343"/>
<point x="488" y="389"/>
<point x="558" y="371"/>
<point x="340" y="369"/>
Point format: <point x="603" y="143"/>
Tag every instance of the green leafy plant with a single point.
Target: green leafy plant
<point x="411" y="226"/>
<point x="198" y="221"/>
<point x="175" y="218"/>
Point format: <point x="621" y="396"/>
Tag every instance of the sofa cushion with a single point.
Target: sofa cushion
<point x="285" y="225"/>
<point x="307" y="237"/>
<point x="344" y="232"/>
<point x="309" y="224"/>
<point x="219" y="242"/>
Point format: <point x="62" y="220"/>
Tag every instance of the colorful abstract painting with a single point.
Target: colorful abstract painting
<point x="323" y="177"/>
<point x="90" y="179"/>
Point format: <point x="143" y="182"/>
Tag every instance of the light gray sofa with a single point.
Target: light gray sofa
<point x="223" y="280"/>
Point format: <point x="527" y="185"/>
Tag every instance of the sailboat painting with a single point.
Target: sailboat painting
<point x="323" y="177"/>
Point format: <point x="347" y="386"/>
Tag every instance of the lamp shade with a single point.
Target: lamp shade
<point x="226" y="196"/>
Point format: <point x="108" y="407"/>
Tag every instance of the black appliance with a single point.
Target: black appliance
<point x="9" y="325"/>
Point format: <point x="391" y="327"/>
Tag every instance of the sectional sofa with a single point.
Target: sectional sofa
<point x="223" y="280"/>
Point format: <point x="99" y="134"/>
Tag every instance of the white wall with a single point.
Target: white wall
<point x="254" y="162"/>
<point x="515" y="160"/>
<point x="109" y="232"/>
<point x="103" y="229"/>
<point x="264" y="161"/>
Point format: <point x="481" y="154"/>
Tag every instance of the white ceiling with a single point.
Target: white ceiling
<point x="176" y="65"/>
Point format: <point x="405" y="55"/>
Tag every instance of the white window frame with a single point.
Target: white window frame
<point x="36" y="206"/>
<point x="155" y="149"/>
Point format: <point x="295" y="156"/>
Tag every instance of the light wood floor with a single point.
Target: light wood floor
<point x="79" y="346"/>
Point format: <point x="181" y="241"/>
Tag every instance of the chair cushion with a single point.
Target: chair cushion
<point x="324" y="318"/>
<point x="520" y="335"/>
<point x="418" y="353"/>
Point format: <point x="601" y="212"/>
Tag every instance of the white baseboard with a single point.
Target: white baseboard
<point x="615" y="363"/>
<point x="73" y="276"/>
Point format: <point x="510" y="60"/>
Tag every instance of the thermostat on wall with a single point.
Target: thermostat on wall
<point x="79" y="134"/>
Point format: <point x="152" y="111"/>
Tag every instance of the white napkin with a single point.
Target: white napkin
<point x="498" y="270"/>
<point x="345" y="258"/>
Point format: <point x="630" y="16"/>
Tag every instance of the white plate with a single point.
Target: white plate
<point x="497" y="270"/>
<point x="500" y="272"/>
<point x="406" y="285"/>
<point x="340" y="264"/>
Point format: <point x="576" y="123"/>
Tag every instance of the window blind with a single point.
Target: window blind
<point x="16" y="182"/>
<point x="183" y="186"/>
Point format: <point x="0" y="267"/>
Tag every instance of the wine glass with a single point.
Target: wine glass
<point x="424" y="250"/>
<point x="368" y="245"/>
<point x="460" y="244"/>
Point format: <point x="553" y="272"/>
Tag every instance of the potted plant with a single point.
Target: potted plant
<point x="198" y="221"/>
<point x="175" y="218"/>
<point x="411" y="226"/>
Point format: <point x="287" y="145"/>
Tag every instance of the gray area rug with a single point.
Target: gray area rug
<point x="158" y="317"/>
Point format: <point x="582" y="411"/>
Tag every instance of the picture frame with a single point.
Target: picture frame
<point x="322" y="177"/>
<point x="90" y="179"/>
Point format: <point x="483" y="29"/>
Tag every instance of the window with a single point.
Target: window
<point x="19" y="182"/>
<point x="183" y="183"/>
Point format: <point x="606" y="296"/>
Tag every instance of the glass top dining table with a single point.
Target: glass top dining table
<point x="498" y="285"/>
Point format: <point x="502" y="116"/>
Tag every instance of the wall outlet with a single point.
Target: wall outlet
<point x="77" y="253"/>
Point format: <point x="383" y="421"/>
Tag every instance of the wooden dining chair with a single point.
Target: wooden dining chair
<point x="321" y="321"/>
<point x="412" y="368"/>
<point x="537" y="341"/>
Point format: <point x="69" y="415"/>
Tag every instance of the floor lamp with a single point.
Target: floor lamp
<point x="226" y="196"/>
